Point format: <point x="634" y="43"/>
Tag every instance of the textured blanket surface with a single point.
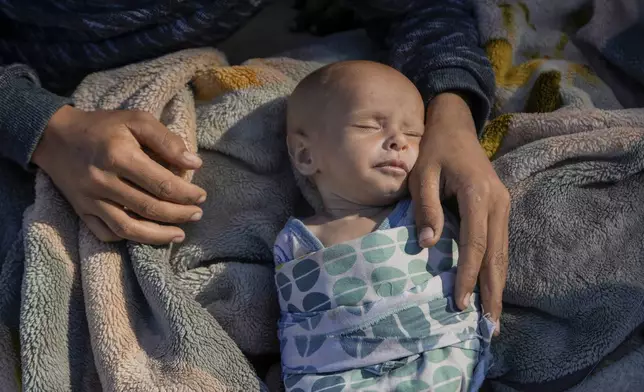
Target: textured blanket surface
<point x="572" y="158"/>
<point x="80" y="315"/>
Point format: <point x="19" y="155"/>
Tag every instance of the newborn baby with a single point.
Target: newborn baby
<point x="363" y="306"/>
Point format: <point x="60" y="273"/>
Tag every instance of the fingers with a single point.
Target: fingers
<point x="494" y="269"/>
<point x="154" y="135"/>
<point x="144" y="172"/>
<point x="127" y="227"/>
<point x="473" y="209"/>
<point x="425" y="192"/>
<point x="146" y="206"/>
<point x="100" y="230"/>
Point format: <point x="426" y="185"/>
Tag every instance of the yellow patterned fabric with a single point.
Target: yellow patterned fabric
<point x="537" y="67"/>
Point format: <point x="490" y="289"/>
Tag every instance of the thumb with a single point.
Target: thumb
<point x="425" y="192"/>
<point x="170" y="147"/>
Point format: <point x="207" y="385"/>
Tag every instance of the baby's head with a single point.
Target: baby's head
<point x="354" y="129"/>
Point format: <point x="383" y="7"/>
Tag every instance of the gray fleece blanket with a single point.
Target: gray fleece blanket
<point x="81" y="315"/>
<point x="572" y="158"/>
<point x="575" y="288"/>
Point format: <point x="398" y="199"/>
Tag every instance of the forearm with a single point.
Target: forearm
<point x="25" y="110"/>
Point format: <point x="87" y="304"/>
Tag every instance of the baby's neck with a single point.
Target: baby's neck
<point x="344" y="212"/>
<point x="343" y="221"/>
<point x="337" y="207"/>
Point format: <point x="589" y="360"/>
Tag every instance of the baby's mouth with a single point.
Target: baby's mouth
<point x="394" y="166"/>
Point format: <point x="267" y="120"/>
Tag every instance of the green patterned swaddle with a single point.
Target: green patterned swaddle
<point x="377" y="314"/>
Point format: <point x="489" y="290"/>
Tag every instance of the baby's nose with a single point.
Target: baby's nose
<point x="398" y="143"/>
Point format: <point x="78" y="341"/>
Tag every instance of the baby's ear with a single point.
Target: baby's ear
<point x="299" y="150"/>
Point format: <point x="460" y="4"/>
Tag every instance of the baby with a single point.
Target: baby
<point x="363" y="306"/>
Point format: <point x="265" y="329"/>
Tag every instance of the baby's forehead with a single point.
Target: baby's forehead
<point x="356" y="78"/>
<point x="356" y="88"/>
<point x="365" y="95"/>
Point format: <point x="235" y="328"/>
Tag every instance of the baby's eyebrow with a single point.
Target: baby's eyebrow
<point x="412" y="124"/>
<point x="368" y="113"/>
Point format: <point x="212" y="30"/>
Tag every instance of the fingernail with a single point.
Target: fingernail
<point x="426" y="236"/>
<point x="178" y="240"/>
<point x="466" y="300"/>
<point x="191" y="158"/>
<point x="196" y="216"/>
<point x="201" y="199"/>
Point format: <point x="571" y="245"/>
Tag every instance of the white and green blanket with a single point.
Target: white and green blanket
<point x="378" y="313"/>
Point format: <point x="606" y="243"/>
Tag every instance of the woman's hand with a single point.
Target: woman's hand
<point x="452" y="163"/>
<point x="96" y="160"/>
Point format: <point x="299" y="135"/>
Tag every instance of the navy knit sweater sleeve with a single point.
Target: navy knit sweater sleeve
<point x="25" y="110"/>
<point x="435" y="43"/>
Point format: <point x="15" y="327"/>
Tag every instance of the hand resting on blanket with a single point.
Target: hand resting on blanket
<point x="97" y="162"/>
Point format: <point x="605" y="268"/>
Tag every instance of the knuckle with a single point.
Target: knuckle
<point x="423" y="180"/>
<point x="111" y="157"/>
<point x="469" y="276"/>
<point x="94" y="179"/>
<point x="477" y="245"/>
<point x="492" y="303"/>
<point x="122" y="229"/>
<point x="493" y="297"/>
<point x="165" y="188"/>
<point x="149" y="209"/>
<point x="428" y="210"/>
<point x="173" y="143"/>
<point x="483" y="188"/>
<point x="169" y="141"/>
<point x="477" y="192"/>
<point x="499" y="260"/>
<point x="426" y="183"/>
<point x="503" y="195"/>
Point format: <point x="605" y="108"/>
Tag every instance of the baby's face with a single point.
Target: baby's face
<point x="370" y="139"/>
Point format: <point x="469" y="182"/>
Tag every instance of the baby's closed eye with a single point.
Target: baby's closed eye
<point x="371" y="125"/>
<point x="414" y="134"/>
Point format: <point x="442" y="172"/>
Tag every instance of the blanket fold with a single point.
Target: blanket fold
<point x="114" y="315"/>
<point x="572" y="158"/>
<point x="575" y="289"/>
<point x="80" y="315"/>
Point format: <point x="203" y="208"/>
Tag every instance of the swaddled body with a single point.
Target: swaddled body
<point x="363" y="306"/>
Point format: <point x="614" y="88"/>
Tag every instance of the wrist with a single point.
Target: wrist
<point x="464" y="95"/>
<point x="61" y="121"/>
<point x="449" y="110"/>
<point x="450" y="101"/>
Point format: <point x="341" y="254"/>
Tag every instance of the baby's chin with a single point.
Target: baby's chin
<point x="387" y="195"/>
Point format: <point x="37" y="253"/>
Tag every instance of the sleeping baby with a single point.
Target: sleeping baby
<point x="363" y="307"/>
